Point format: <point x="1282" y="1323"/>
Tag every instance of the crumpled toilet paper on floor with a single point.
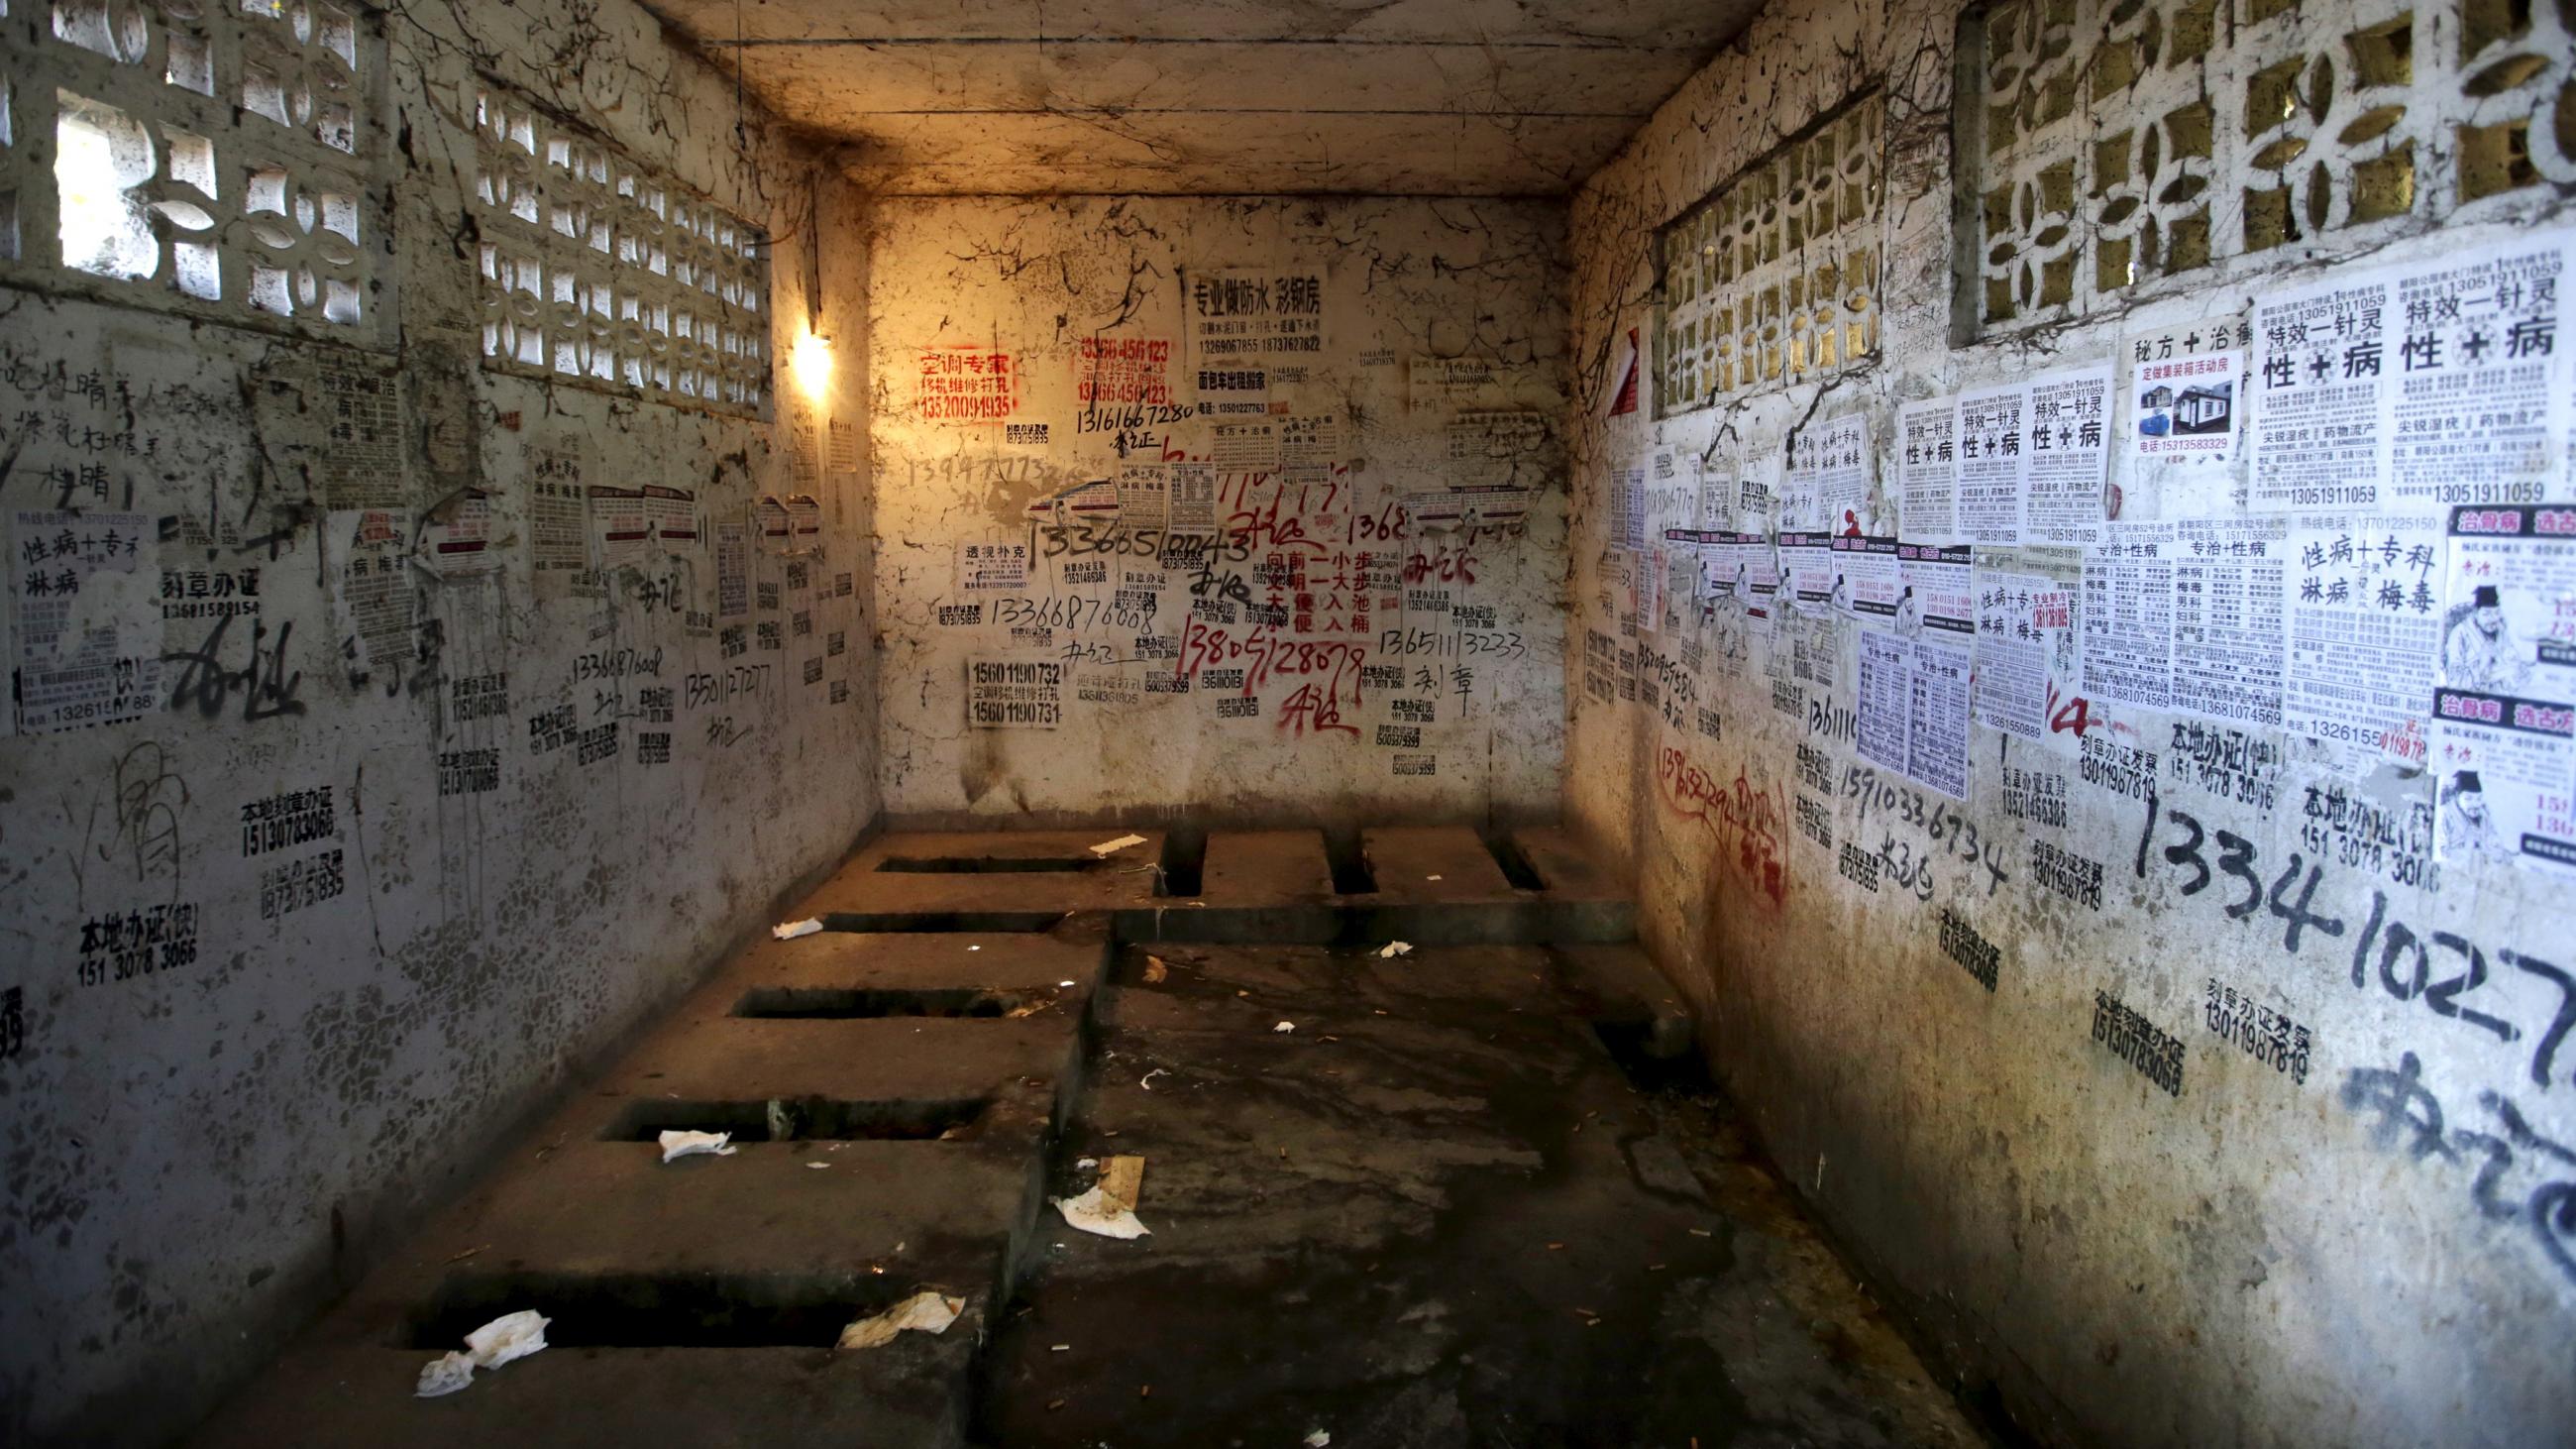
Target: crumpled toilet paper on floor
<point x="794" y="929"/>
<point x="510" y="1336"/>
<point x="928" y="1311"/>
<point x="1097" y="1212"/>
<point x="688" y="1144"/>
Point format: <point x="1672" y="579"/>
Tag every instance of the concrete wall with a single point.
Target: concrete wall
<point x="2367" y="1248"/>
<point x="286" y="951"/>
<point x="1412" y="674"/>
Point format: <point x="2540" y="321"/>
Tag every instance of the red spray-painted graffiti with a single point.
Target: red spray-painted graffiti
<point x="1749" y="822"/>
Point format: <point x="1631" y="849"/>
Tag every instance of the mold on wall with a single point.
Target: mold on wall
<point x="2161" y="1065"/>
<point x="392" y="728"/>
<point x="1246" y="508"/>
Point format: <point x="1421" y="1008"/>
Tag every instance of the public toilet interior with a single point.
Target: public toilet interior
<point x="1280" y="724"/>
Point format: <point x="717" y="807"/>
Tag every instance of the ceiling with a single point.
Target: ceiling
<point x="1407" y="97"/>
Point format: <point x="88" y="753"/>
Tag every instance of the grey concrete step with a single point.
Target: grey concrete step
<point x="1433" y="865"/>
<point x="1252" y="869"/>
<point x="926" y="1068"/>
<point x="912" y="1392"/>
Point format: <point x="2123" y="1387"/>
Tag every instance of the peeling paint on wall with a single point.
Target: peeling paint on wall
<point x="1273" y="584"/>
<point x="375" y="824"/>
<point x="2127" y="1064"/>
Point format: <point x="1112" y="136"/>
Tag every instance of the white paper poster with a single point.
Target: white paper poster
<point x="1868" y="578"/>
<point x="1991" y="463"/>
<point x="1191" y="497"/>
<point x="993" y="566"/>
<point x="1681" y="581"/>
<point x="2229" y="634"/>
<point x="1246" y="446"/>
<point x="372" y="594"/>
<point x="558" y="511"/>
<point x="84" y="602"/>
<point x="2437" y="382"/>
<point x="773" y="527"/>
<point x="1718" y="489"/>
<point x="620" y="533"/>
<point x="1913" y="708"/>
<point x="1831" y="463"/>
<point x="1807" y="571"/>
<point x="1251" y="329"/>
<point x="2023" y="624"/>
<point x="2504" y="716"/>
<point x="1314" y="440"/>
<point x="2067" y="457"/>
<point x="1927" y="470"/>
<point x="1936" y="717"/>
<point x="1937" y="591"/>
<point x="1885" y="661"/>
<point x="733" y="569"/>
<point x="2128" y="619"/>
<point x="1738" y="569"/>
<point x="2317" y="439"/>
<point x="1144" y="495"/>
<point x="673" y="512"/>
<point x="2364" y="599"/>
<point x="1628" y="508"/>
<point x="2475" y="416"/>
<point x="2183" y="396"/>
<point x="456" y="537"/>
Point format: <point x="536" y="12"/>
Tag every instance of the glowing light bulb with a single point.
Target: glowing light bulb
<point x="811" y="362"/>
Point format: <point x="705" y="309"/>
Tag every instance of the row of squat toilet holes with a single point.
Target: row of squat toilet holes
<point x="1178" y="873"/>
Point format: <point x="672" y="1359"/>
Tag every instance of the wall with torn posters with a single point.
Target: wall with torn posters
<point x="2077" y="649"/>
<point x="1249" y="507"/>
<point x="437" y="618"/>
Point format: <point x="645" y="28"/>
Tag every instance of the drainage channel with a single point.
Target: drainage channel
<point x="1514" y="862"/>
<point x="1347" y="854"/>
<point x="879" y="922"/>
<point x="639" y="1310"/>
<point x="988" y="865"/>
<point x="836" y="1003"/>
<point x="801" y="1119"/>
<point x="1184" y="861"/>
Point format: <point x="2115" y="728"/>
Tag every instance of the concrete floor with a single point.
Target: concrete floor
<point x="1439" y="1210"/>
<point x="1437" y="1213"/>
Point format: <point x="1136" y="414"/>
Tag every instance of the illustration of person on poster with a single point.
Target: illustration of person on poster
<point x="2467" y="826"/>
<point x="1909" y="613"/>
<point x="2478" y="647"/>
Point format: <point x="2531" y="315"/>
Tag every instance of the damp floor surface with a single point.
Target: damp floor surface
<point x="1436" y="1212"/>
<point x="1467" y="1192"/>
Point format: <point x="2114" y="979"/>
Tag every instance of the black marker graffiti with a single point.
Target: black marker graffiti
<point x="267" y="690"/>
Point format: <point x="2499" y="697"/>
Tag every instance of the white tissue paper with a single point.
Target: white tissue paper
<point x="444" y="1374"/>
<point x="510" y="1336"/>
<point x="794" y="929"/>
<point x="1397" y="948"/>
<point x="928" y="1311"/>
<point x="685" y="1144"/>
<point x="1096" y="1212"/>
